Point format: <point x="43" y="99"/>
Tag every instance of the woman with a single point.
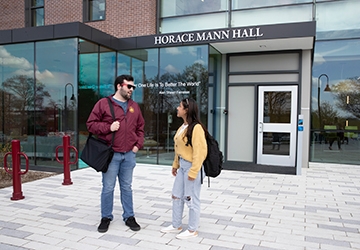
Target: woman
<point x="190" y="152"/>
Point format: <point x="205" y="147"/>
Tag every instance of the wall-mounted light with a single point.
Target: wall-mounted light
<point x="72" y="98"/>
<point x="327" y="89"/>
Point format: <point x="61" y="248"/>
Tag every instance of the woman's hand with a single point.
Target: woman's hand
<point x="174" y="171"/>
<point x="191" y="179"/>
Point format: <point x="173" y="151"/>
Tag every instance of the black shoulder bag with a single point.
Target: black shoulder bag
<point x="96" y="153"/>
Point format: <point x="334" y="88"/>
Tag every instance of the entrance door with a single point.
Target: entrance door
<point x="277" y="125"/>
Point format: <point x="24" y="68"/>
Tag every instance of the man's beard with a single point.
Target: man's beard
<point x="125" y="95"/>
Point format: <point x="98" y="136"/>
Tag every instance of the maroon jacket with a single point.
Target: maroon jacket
<point x="131" y="131"/>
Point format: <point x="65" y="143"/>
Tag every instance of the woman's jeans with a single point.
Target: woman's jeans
<point x="121" y="166"/>
<point x="185" y="191"/>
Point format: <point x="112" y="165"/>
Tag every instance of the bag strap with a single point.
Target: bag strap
<point x="113" y="116"/>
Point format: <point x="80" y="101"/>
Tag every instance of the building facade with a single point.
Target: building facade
<point x="278" y="82"/>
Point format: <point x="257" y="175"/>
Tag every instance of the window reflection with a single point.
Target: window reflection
<point x="37" y="17"/>
<point x="277" y="107"/>
<point x="346" y="23"/>
<point x="17" y="94"/>
<point x="245" y="4"/>
<point x="88" y="87"/>
<point x="32" y="110"/>
<point x="180" y="7"/>
<point x="37" y="13"/>
<point x="276" y="143"/>
<point x="96" y="9"/>
<point x="183" y="72"/>
<point x="338" y="130"/>
<point x="56" y="98"/>
<point x="279" y="14"/>
<point x="188" y="23"/>
<point x="107" y="72"/>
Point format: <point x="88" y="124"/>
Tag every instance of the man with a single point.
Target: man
<point x="128" y="127"/>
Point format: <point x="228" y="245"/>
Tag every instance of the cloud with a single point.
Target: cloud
<point x="11" y="61"/>
<point x="43" y="75"/>
<point x="200" y="62"/>
<point x="319" y="59"/>
<point x="173" y="51"/>
<point x="171" y="69"/>
<point x="22" y="66"/>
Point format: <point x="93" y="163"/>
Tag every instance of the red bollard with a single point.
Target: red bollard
<point x="66" y="159"/>
<point x="16" y="170"/>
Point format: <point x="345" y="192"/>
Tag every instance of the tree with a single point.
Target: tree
<point x="26" y="96"/>
<point x="347" y="95"/>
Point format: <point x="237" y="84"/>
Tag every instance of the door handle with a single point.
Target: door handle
<point x="260" y="127"/>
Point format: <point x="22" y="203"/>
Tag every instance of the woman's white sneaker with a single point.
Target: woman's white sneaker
<point x="187" y="235"/>
<point x="171" y="229"/>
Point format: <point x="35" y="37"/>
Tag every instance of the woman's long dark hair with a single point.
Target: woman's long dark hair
<point x="192" y="118"/>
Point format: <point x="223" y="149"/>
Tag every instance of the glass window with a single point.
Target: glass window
<point x="246" y="4"/>
<point x="56" y="98"/>
<point x="286" y="14"/>
<point x="17" y="95"/>
<point x="37" y="3"/>
<point x="143" y="66"/>
<point x="94" y="10"/>
<point x="88" y="87"/>
<point x="188" y="7"/>
<point x="214" y="92"/>
<point x="277" y="107"/>
<point x="123" y="64"/>
<point x="338" y="19"/>
<point x="198" y="22"/>
<point x="331" y="0"/>
<point x="273" y="141"/>
<point x="107" y="71"/>
<point x="37" y="13"/>
<point x="163" y="78"/>
<point x="183" y="73"/>
<point x="335" y="109"/>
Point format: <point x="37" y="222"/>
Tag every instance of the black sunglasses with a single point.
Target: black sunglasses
<point x="129" y="86"/>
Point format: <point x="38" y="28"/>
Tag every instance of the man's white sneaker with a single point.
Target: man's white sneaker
<point x="187" y="235"/>
<point x="170" y="229"/>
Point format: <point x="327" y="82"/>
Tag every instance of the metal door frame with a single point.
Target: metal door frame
<point x="277" y="160"/>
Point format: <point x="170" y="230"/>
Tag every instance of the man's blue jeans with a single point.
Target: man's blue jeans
<point x="121" y="166"/>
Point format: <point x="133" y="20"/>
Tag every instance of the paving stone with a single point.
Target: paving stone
<point x="241" y="210"/>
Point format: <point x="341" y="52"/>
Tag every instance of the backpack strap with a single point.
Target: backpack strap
<point x="113" y="116"/>
<point x="201" y="170"/>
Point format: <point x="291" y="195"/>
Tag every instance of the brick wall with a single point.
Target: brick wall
<point x="127" y="18"/>
<point x="124" y="18"/>
<point x="12" y="14"/>
<point x="65" y="11"/>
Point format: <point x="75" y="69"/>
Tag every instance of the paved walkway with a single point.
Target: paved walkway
<point x="252" y="211"/>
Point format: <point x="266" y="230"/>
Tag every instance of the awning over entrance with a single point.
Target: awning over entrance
<point x="297" y="36"/>
<point x="288" y="36"/>
<point x="231" y="40"/>
<point x="295" y="43"/>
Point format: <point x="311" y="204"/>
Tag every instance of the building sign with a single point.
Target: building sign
<point x="208" y="36"/>
<point x="235" y="34"/>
